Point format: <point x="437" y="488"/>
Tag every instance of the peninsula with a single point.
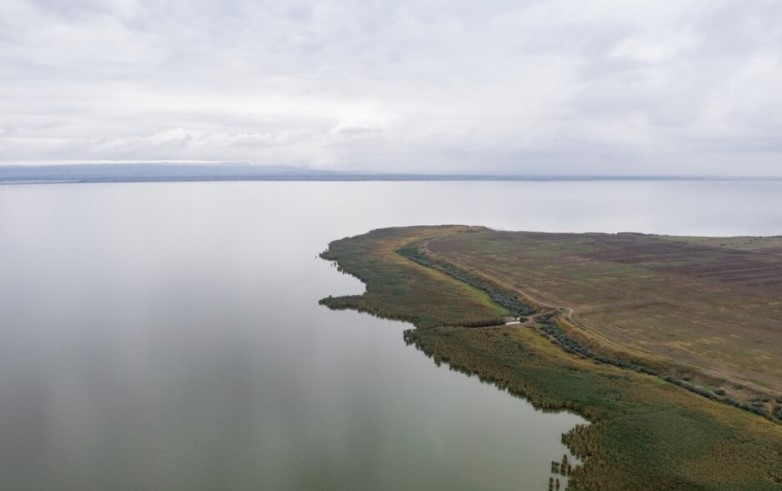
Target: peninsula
<point x="670" y="346"/>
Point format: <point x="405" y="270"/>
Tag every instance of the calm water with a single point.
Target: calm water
<point x="168" y="336"/>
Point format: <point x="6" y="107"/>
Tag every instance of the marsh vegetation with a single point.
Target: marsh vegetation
<point x="645" y="433"/>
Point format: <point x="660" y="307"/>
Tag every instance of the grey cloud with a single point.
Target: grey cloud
<point x="602" y="86"/>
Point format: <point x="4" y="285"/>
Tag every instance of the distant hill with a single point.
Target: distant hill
<point x="155" y="172"/>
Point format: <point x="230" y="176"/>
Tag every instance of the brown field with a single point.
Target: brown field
<point x="711" y="305"/>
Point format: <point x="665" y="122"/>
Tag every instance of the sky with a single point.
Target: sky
<point x="601" y="87"/>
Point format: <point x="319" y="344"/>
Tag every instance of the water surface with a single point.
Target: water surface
<point x="168" y="336"/>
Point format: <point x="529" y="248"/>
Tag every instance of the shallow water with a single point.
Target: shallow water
<point x="168" y="336"/>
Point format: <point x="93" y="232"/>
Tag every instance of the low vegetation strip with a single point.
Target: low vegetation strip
<point x="501" y="296"/>
<point x="644" y="433"/>
<point x="548" y="325"/>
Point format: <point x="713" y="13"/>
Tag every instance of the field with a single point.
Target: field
<point x="713" y="307"/>
<point x="645" y="433"/>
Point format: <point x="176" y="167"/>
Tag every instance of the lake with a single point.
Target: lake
<point x="167" y="336"/>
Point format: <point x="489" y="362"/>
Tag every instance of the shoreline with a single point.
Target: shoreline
<point x="527" y="364"/>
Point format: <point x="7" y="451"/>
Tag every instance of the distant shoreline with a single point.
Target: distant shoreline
<point x="27" y="180"/>
<point x="237" y="171"/>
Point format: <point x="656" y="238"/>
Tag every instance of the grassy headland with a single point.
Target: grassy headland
<point x="645" y="432"/>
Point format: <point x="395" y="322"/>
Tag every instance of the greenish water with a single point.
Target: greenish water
<point x="168" y="336"/>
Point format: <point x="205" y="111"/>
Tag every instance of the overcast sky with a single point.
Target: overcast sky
<point x="526" y="87"/>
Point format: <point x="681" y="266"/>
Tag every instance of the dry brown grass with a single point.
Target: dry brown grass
<point x="711" y="303"/>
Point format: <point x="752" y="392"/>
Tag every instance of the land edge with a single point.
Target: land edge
<point x="576" y="440"/>
<point x="584" y="440"/>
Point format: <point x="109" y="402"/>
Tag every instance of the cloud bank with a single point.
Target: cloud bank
<point x="524" y="87"/>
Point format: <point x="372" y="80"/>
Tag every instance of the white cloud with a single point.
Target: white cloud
<point x="599" y="86"/>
